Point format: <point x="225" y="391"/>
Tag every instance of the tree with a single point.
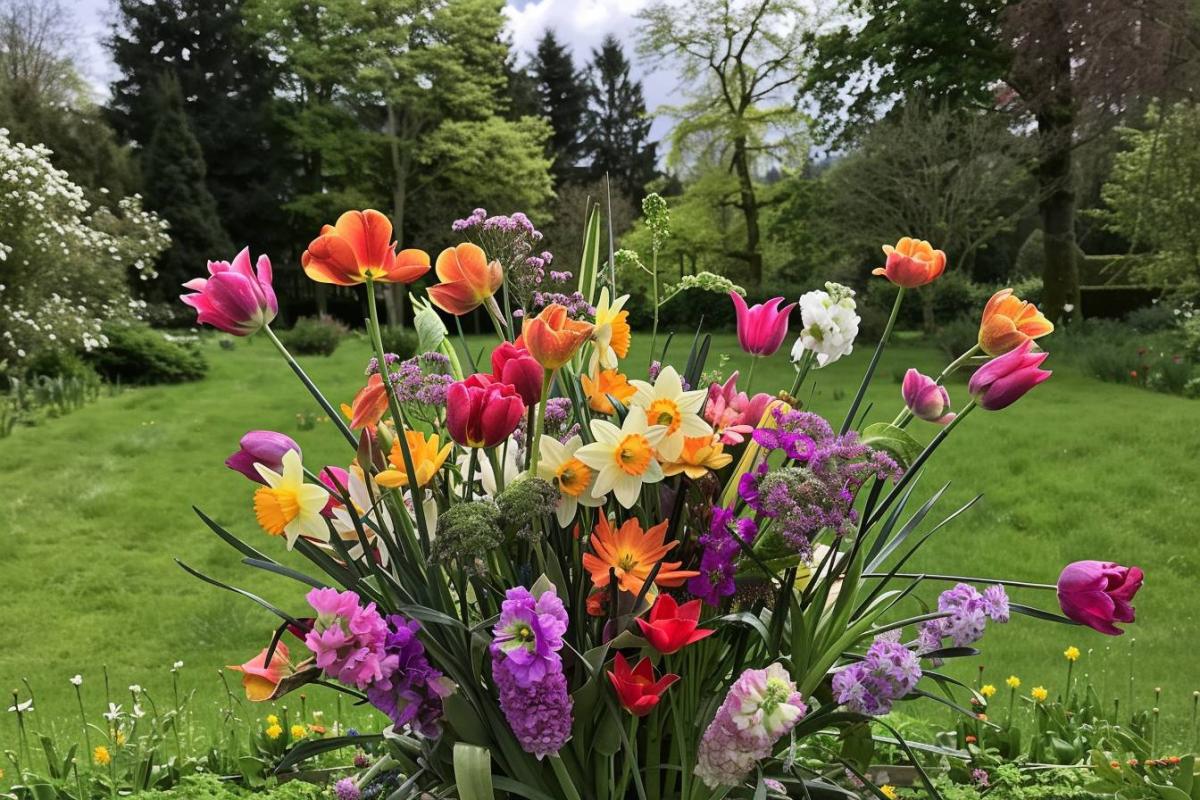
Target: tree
<point x="173" y="167"/>
<point x="744" y="64"/>
<point x="616" y="135"/>
<point x="563" y="96"/>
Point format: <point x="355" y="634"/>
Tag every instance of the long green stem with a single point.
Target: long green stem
<point x="954" y="365"/>
<point x="870" y="373"/>
<point x="750" y="374"/>
<point x="654" y="282"/>
<point x="962" y="579"/>
<point x="564" y="778"/>
<point x="802" y="369"/>
<point x="333" y="415"/>
<point x="535" y="438"/>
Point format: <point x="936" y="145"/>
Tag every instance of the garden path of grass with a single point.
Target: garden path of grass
<point x="97" y="504"/>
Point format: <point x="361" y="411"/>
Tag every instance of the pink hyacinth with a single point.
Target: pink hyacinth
<point x="761" y="328"/>
<point x="1004" y="380"/>
<point x="925" y="398"/>
<point x="731" y="413"/>
<point x="234" y="298"/>
<point x="762" y="706"/>
<point x="348" y="639"/>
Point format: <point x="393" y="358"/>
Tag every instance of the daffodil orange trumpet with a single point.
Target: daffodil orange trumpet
<point x="359" y="246"/>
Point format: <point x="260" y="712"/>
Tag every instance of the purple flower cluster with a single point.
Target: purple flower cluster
<point x="373" y="362"/>
<point x="423" y="379"/>
<point x="967" y="613"/>
<point x="412" y="694"/>
<point x="346" y="789"/>
<point x="816" y="491"/>
<point x="888" y="672"/>
<point x="527" y="669"/>
<point x="576" y="304"/>
<point x="512" y="240"/>
<point x="720" y="552"/>
<point x="656" y="367"/>
<point x="557" y="424"/>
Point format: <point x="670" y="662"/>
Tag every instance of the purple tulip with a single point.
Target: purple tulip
<point x="762" y="327"/>
<point x="261" y="447"/>
<point x="234" y="297"/>
<point x="1099" y="593"/>
<point x="1002" y="381"/>
<point x="925" y="398"/>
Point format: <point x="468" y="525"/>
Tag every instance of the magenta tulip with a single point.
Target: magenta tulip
<point x="1099" y="593"/>
<point x="337" y="480"/>
<point x="513" y="364"/>
<point x="260" y="447"/>
<point x="762" y="327"/>
<point x="925" y="398"/>
<point x="481" y="412"/>
<point x="1004" y="380"/>
<point x="234" y="297"/>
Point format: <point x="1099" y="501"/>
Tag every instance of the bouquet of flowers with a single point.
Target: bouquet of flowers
<point x="561" y="574"/>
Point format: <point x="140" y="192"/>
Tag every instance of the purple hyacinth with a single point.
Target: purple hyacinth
<point x="539" y="712"/>
<point x="720" y="552"/>
<point x="348" y="639"/>
<point x="967" y="613"/>
<point x="888" y="672"/>
<point x="529" y="634"/>
<point x="346" y="789"/>
<point x="412" y="694"/>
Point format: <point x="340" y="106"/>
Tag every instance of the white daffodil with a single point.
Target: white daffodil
<point x="287" y="506"/>
<point x="559" y="464"/>
<point x="678" y="412"/>
<point x="369" y="509"/>
<point x="611" y="334"/>
<point x="483" y="466"/>
<point x="623" y="457"/>
<point x="830" y="324"/>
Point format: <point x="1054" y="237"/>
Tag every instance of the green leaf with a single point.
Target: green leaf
<point x="473" y="772"/>
<point x="589" y="265"/>
<point x="253" y="771"/>
<point x="896" y="441"/>
<point x="306" y="750"/>
<point x="464" y="721"/>
<point x="857" y="745"/>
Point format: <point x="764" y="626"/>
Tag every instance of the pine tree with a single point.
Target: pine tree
<point x="616" y="126"/>
<point x="563" y="97"/>
<point x="173" y="169"/>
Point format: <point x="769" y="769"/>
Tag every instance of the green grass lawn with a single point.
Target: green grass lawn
<point x="97" y="506"/>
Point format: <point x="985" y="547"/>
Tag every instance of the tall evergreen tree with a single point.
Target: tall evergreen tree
<point x="616" y="126"/>
<point x="563" y="96"/>
<point x="173" y="167"/>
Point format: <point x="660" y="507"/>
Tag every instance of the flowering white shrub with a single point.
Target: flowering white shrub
<point x="64" y="267"/>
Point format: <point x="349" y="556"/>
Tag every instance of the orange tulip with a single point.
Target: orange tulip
<point x="260" y="678"/>
<point x="911" y="263"/>
<point x="360" y="246"/>
<point x="552" y="337"/>
<point x="1008" y="322"/>
<point x="467" y="279"/>
<point x="369" y="404"/>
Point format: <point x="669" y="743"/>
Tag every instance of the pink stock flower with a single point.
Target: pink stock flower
<point x="761" y="328"/>
<point x="1099" y="593"/>
<point x="925" y="398"/>
<point x="731" y="413"/>
<point x="1005" y="379"/>
<point x="348" y="639"/>
<point x="234" y="298"/>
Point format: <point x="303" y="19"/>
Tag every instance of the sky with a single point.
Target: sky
<point x="581" y="24"/>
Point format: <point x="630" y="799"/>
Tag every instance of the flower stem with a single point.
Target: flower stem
<point x="654" y="282"/>
<point x="564" y="779"/>
<point x="802" y="369"/>
<point x="535" y="437"/>
<point x="961" y="579"/>
<point x="956" y="363"/>
<point x="870" y="373"/>
<point x="335" y="416"/>
<point x="750" y="374"/>
<point x="87" y="736"/>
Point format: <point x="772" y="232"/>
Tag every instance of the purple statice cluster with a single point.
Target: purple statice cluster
<point x="888" y="672"/>
<point x="816" y="487"/>
<point x="514" y="241"/>
<point x="355" y="645"/>
<point x="656" y="367"/>
<point x="558" y="423"/>
<point x="373" y="363"/>
<point x="720" y="551"/>
<point x="576" y="304"/>
<point x="967" y="611"/>
<point x="346" y="789"/>
<point x="527" y="669"/>
<point x="423" y="379"/>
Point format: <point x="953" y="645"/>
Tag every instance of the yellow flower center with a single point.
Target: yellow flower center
<point x="275" y="508"/>
<point x="633" y="454"/>
<point x="664" y="412"/>
<point x="572" y="477"/>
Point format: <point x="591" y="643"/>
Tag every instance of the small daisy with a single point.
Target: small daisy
<point x="287" y="506"/>
<point x="611" y="333"/>
<point x="623" y="457"/>
<point x="559" y="464"/>
<point x="667" y="404"/>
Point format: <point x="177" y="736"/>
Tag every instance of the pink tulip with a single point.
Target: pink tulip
<point x="762" y="327"/>
<point x="1003" y="380"/>
<point x="513" y="364"/>
<point x="261" y="447"/>
<point x="337" y="480"/>
<point x="1099" y="593"/>
<point x="481" y="412"/>
<point x="731" y="413"/>
<point x="234" y="298"/>
<point x="925" y="398"/>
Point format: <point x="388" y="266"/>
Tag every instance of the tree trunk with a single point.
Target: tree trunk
<point x="394" y="296"/>
<point x="749" y="206"/>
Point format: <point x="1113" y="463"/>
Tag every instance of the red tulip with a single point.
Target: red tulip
<point x="636" y="688"/>
<point x="1004" y="380"/>
<point x="1099" y="593"/>
<point x="481" y="412"/>
<point x="672" y="626"/>
<point x="761" y="328"/>
<point x="513" y="364"/>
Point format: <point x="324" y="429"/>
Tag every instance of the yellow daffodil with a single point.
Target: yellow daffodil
<point x="1013" y="682"/>
<point x="623" y="457"/>
<point x="426" y="457"/>
<point x="607" y="382"/>
<point x="287" y="506"/>
<point x="699" y="455"/>
<point x="1039" y="693"/>
<point x="667" y="404"/>
<point x="611" y="333"/>
<point x="559" y="465"/>
<point x="1071" y="653"/>
<point x="987" y="690"/>
<point x="101" y="756"/>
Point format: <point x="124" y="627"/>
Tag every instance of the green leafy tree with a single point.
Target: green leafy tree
<point x="616" y="126"/>
<point x="563" y="95"/>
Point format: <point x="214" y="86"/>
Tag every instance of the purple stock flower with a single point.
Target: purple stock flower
<point x="968" y="612"/>
<point x="888" y="672"/>
<point x="412" y="694"/>
<point x="261" y="447"/>
<point x="529" y="634"/>
<point x="720" y="552"/>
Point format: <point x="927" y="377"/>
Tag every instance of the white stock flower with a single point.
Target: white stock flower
<point x="830" y="324"/>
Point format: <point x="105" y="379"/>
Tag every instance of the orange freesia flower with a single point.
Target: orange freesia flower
<point x="467" y="279"/>
<point x="369" y="404"/>
<point x="426" y="457"/>
<point x="260" y="678"/>
<point x="360" y="246"/>
<point x="607" y="382"/>
<point x="1008" y="322"/>
<point x="552" y="337"/>
<point x="911" y="263"/>
<point x="632" y="554"/>
<point x="699" y="455"/>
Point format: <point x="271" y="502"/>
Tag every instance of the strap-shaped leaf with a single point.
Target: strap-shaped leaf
<point x="473" y="772"/>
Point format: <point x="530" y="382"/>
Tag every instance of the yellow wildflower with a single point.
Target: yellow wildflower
<point x="120" y="737"/>
<point x="274" y="732"/>
<point x="1071" y="653"/>
<point x="889" y="791"/>
<point x="1013" y="682"/>
<point x="1039" y="693"/>
<point x="299" y="732"/>
<point x="987" y="690"/>
<point x="272" y="719"/>
<point x="101" y="756"/>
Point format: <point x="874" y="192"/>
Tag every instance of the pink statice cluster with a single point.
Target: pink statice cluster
<point x="762" y="706"/>
<point x="888" y="672"/>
